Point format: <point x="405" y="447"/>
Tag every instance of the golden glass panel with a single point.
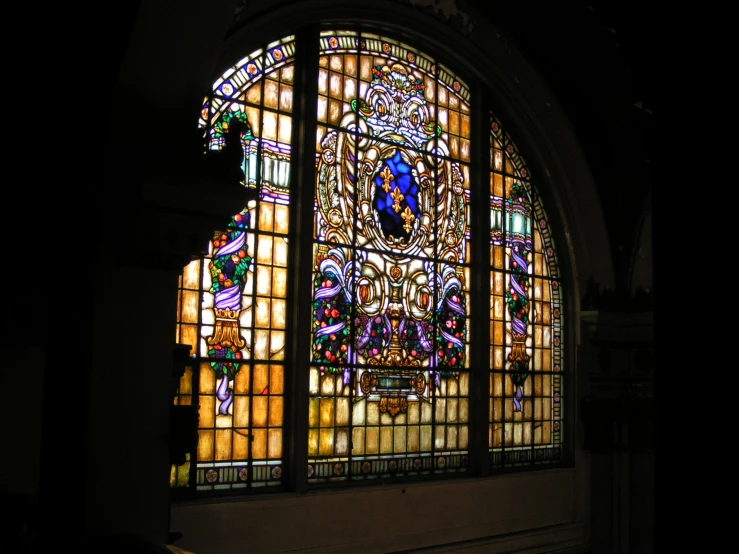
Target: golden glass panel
<point x="508" y="434"/>
<point x="537" y="264"/>
<point x="322" y="111"/>
<point x="266" y="219"/>
<point x="342" y="442"/>
<point x="373" y="413"/>
<point x="385" y="419"/>
<point x="440" y="409"/>
<point x="282" y="214"/>
<point x="464" y="150"/>
<point x="271" y="96"/>
<point x="546" y="408"/>
<point x="277" y="345"/>
<point x="546" y="432"/>
<point x="452" y="434"/>
<point x="464" y="410"/>
<point x="279" y="286"/>
<point x="426" y="435"/>
<point x="276" y="379"/>
<point x="326" y="442"/>
<point x="327" y="412"/>
<point x="275" y="411"/>
<point x="508" y="409"/>
<point x="365" y="68"/>
<point x="358" y="413"/>
<point x="464" y="384"/>
<point x="498" y="257"/>
<point x="259" y="444"/>
<point x="260" y="345"/>
<point x="278" y="314"/>
<point x="546" y="360"/>
<point x="443" y="95"/>
<point x="313" y="409"/>
<point x="547" y="339"/>
<point x="205" y="445"/>
<point x="189" y="335"/>
<point x="498" y="358"/>
<point x="463" y="437"/>
<point x="413" y="413"/>
<point x="322" y="82"/>
<point x="190" y="305"/>
<point x="286" y="98"/>
<point x="269" y="125"/>
<point x="497" y="409"/>
<point x="240" y="445"/>
<point x="284" y="133"/>
<point x="342" y="411"/>
<point x="264" y="250"/>
<point x="426" y="412"/>
<point x="453" y="121"/>
<point x="546" y="381"/>
<point x="264" y="280"/>
<point x="536" y="363"/>
<point x="280" y="252"/>
<point x="262" y="312"/>
<point x="350" y="65"/>
<point x="537" y="384"/>
<point x="207" y="411"/>
<point x="274" y="443"/>
<point x="350" y="90"/>
<point x="386" y="440"/>
<point x="452" y="386"/>
<point x="357" y="441"/>
<point x="252" y="114"/>
<point x="537" y="433"/>
<point x="191" y="275"/>
<point x="498" y="331"/>
<point x="241" y="411"/>
<point x="546" y="311"/>
<point x="537" y="335"/>
<point x="254" y="96"/>
<point x="327" y="384"/>
<point x="223" y="444"/>
<point x="440" y="437"/>
<point x="527" y="409"/>
<point x="335" y="62"/>
<point x="323" y="61"/>
<point x="399" y="444"/>
<point x="538" y="413"/>
<point x="413" y="443"/>
<point x="334" y="112"/>
<point x="453" y="146"/>
<point x="241" y="380"/>
<point x="259" y="411"/>
<point x="313" y="380"/>
<point x="452" y="410"/>
<point x="498" y="384"/>
<point x="313" y="442"/>
<point x="373" y="440"/>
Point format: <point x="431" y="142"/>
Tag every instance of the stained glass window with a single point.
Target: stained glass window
<point x="388" y="338"/>
<point x="232" y="304"/>
<point x="389" y="376"/>
<point x="525" y="317"/>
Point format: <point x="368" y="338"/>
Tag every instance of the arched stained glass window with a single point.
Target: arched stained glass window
<point x="389" y="376"/>
<point x="525" y="316"/>
<point x="232" y="306"/>
<point x="386" y="367"/>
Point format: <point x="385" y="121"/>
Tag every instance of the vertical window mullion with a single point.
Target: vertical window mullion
<point x="301" y="232"/>
<point x="479" y="324"/>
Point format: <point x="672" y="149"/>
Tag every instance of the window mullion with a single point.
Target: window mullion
<point x="302" y="176"/>
<point x="479" y="318"/>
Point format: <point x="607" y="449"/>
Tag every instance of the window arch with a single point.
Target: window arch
<point x="415" y="289"/>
